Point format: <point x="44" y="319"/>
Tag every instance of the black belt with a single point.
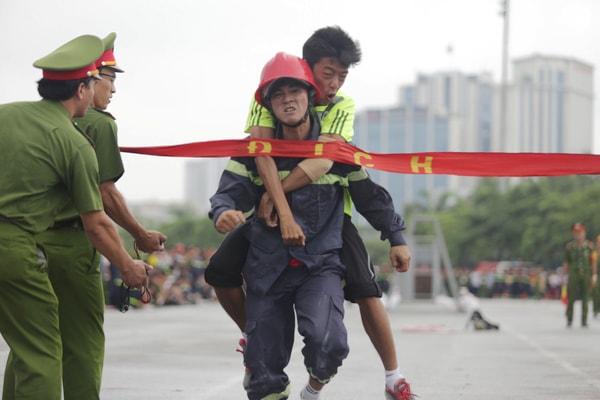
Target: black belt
<point x="70" y="223"/>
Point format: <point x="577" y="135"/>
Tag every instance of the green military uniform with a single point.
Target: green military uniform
<point x="579" y="259"/>
<point x="596" y="292"/>
<point x="74" y="268"/>
<point x="47" y="162"/>
<point x="596" y="300"/>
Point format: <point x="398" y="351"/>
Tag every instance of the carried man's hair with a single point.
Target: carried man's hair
<point x="331" y="42"/>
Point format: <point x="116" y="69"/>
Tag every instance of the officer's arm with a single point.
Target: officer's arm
<point x="102" y="234"/>
<point x="116" y="208"/>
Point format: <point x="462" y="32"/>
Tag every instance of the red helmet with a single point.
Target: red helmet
<point x="285" y="65"/>
<point x="578" y="227"/>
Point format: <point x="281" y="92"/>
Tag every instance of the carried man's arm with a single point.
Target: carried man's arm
<point x="336" y="125"/>
<point x="374" y="203"/>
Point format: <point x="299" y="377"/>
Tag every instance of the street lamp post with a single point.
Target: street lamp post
<point x="504" y="13"/>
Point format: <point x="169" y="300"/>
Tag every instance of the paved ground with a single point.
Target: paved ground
<point x="187" y="352"/>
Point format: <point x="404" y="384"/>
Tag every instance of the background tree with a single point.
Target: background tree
<point x="530" y="221"/>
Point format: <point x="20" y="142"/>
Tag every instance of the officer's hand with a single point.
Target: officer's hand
<point x="150" y="241"/>
<point x="135" y="275"/>
<point x="400" y="257"/>
<point x="228" y="220"/>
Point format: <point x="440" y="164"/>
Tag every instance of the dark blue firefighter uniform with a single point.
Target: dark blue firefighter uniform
<point x="312" y="283"/>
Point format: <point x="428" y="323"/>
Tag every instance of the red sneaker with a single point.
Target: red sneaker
<point x="242" y="343"/>
<point x="401" y="391"/>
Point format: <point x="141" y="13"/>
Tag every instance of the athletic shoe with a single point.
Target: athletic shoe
<point x="401" y="391"/>
<point x="304" y="395"/>
<point x="479" y="323"/>
<point x="242" y="343"/>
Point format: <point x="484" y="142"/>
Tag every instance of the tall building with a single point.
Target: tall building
<point x="550" y="106"/>
<point x="549" y="109"/>
<point x="201" y="182"/>
<point x="447" y="111"/>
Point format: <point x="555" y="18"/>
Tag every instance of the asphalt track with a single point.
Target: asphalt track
<point x="188" y="353"/>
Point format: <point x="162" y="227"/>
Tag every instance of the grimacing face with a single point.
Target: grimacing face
<point x="289" y="102"/>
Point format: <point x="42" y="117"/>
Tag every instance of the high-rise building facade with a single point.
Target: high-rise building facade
<point x="549" y="109"/>
<point x="201" y="182"/>
<point x="448" y="111"/>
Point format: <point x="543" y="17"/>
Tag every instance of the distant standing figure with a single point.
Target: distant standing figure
<point x="596" y="290"/>
<point x="581" y="267"/>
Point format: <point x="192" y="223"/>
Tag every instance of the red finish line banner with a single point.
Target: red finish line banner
<point x="440" y="163"/>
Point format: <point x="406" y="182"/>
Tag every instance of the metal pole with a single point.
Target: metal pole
<point x="503" y="101"/>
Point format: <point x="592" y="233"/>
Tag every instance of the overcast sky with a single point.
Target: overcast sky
<point x="192" y="66"/>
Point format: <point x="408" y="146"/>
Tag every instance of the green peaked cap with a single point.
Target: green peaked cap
<point x="109" y="41"/>
<point x="108" y="57"/>
<point x="73" y="60"/>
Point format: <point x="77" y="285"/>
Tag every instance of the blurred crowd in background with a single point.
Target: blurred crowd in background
<point x="519" y="282"/>
<point x="178" y="278"/>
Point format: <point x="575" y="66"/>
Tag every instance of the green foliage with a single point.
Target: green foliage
<point x="192" y="230"/>
<point x="529" y="221"/>
<point x="185" y="227"/>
